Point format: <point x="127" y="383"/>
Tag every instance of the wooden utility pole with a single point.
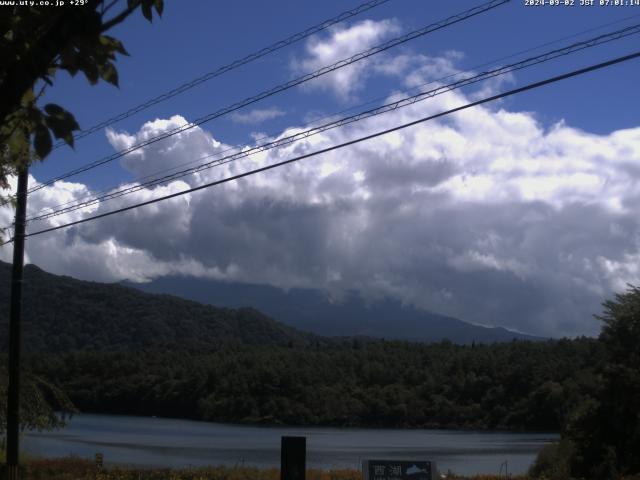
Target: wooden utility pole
<point x="293" y="458"/>
<point x="13" y="396"/>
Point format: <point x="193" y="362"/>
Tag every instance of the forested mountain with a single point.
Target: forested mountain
<point x="63" y="314"/>
<point x="312" y="311"/>
<point x="516" y="385"/>
<point x="114" y="349"/>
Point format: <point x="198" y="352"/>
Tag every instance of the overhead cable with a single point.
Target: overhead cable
<point x="283" y="141"/>
<point x="285" y="86"/>
<point x="417" y="88"/>
<point x="227" y="68"/>
<point x="514" y="91"/>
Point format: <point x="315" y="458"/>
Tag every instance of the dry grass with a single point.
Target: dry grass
<point x="73" y="468"/>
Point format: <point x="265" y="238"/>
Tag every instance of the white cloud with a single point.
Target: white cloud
<point x="484" y="215"/>
<point x="343" y="43"/>
<point x="253" y="117"/>
<point x="430" y="69"/>
<point x="188" y="146"/>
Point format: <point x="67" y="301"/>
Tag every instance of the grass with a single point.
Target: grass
<point x="74" y="468"/>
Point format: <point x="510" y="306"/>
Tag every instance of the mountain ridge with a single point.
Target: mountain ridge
<point x="61" y="313"/>
<point x="312" y="311"/>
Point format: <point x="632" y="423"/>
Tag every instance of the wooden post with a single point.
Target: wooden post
<point x="13" y="394"/>
<point x="293" y="458"/>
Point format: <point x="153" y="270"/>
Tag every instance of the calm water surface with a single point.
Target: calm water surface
<point x="157" y="442"/>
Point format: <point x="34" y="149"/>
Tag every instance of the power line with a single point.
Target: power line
<point x="99" y="195"/>
<point x="285" y="86"/>
<point x="227" y="68"/>
<point x="107" y="194"/>
<point x="514" y="91"/>
<point x="469" y="70"/>
<point x="529" y="62"/>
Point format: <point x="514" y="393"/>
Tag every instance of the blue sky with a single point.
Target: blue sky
<point x="195" y="37"/>
<point x="520" y="214"/>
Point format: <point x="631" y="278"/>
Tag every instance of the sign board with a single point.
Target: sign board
<point x="398" y="470"/>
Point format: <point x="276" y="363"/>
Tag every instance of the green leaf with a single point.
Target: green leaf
<point x="114" y="44"/>
<point x="18" y="146"/>
<point x="34" y="114"/>
<point x="90" y="71"/>
<point x="159" y="4"/>
<point x="28" y="98"/>
<point x="109" y="73"/>
<point x="42" y="141"/>
<point x="73" y="70"/>
<point x="146" y="10"/>
<point x="61" y="122"/>
<point x="53" y="109"/>
<point x="69" y="60"/>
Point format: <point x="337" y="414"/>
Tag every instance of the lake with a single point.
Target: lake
<point x="159" y="442"/>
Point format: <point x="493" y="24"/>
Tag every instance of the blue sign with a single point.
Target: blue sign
<point x="398" y="470"/>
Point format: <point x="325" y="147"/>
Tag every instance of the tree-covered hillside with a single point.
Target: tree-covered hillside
<point x="65" y="314"/>
<point x="518" y="385"/>
<point x="114" y="349"/>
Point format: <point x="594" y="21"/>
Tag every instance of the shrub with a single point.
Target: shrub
<point x="553" y="462"/>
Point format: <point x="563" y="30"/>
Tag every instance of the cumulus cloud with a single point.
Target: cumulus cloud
<point x="341" y="43"/>
<point x="188" y="145"/>
<point x="484" y="215"/>
<point x="411" y="69"/>
<point x="255" y="116"/>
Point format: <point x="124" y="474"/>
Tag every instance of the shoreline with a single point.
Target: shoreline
<point x="145" y="442"/>
<point x="266" y="425"/>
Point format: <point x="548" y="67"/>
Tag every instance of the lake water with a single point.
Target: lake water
<point x="158" y="442"/>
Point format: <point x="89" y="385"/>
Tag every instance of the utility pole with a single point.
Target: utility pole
<point x="13" y="400"/>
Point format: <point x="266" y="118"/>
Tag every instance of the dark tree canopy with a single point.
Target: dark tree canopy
<point x="43" y="405"/>
<point x="35" y="44"/>
<point x="601" y="438"/>
<point x="621" y="329"/>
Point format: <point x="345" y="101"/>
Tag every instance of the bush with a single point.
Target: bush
<point x="553" y="462"/>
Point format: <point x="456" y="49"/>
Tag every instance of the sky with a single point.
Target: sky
<point x="521" y="213"/>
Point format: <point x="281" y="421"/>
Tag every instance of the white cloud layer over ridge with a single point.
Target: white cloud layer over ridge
<point x="484" y="215"/>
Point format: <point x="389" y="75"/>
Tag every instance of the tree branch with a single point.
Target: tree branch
<point x="118" y="18"/>
<point x="108" y="7"/>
